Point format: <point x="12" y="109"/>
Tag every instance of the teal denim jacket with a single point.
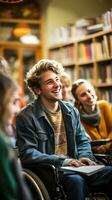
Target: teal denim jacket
<point x="35" y="135"/>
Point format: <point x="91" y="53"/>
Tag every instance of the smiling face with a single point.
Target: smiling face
<point x="86" y="96"/>
<point x="50" y="87"/>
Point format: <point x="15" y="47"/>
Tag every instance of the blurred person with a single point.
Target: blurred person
<point x="5" y="68"/>
<point x="49" y="131"/>
<point x="66" y="87"/>
<point x="12" y="185"/>
<point x="11" y="130"/>
<point x="20" y="102"/>
<point x="96" y="116"/>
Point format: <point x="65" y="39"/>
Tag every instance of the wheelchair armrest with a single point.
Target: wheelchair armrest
<point x="104" y="158"/>
<point x="100" y="142"/>
<point x="47" y="166"/>
<point x="101" y="155"/>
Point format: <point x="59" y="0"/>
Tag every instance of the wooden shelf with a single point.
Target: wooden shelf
<point x="63" y="44"/>
<point x="104" y="85"/>
<point x="104" y="59"/>
<point x="85" y="63"/>
<point x="29" y="21"/>
<point x="17" y="44"/>
<point x="92" y="59"/>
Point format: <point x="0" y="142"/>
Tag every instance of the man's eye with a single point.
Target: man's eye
<point x="49" y="82"/>
<point x="57" y="79"/>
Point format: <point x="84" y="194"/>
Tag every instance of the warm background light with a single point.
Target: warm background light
<point x="21" y="29"/>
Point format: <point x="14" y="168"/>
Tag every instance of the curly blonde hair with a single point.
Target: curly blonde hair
<point x="33" y="77"/>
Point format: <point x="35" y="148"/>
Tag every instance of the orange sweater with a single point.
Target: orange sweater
<point x="105" y="125"/>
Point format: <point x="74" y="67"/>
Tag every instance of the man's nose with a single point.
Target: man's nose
<point x="56" y="83"/>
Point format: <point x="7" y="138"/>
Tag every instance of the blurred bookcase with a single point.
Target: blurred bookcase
<point x="21" y="38"/>
<point x="88" y="57"/>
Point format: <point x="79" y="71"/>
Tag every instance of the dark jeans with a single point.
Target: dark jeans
<point x="77" y="187"/>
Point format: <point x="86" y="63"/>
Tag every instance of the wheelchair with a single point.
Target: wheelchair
<point x="46" y="186"/>
<point x="42" y="185"/>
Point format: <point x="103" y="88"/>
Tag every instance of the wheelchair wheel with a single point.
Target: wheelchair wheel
<point x="35" y="185"/>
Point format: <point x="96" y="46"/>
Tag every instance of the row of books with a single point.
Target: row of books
<point x="72" y="31"/>
<point x="105" y="74"/>
<point x="64" y="55"/>
<point x="55" y="55"/>
<point x="63" y="34"/>
<point x="100" y="49"/>
<point x="86" y="73"/>
<point x="107" y="19"/>
<point x="103" y="47"/>
<point x="106" y="94"/>
<point x="86" y="51"/>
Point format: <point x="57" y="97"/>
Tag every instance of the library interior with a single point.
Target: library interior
<point x="77" y="34"/>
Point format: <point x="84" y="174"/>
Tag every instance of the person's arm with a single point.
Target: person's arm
<point x="32" y="142"/>
<point x="106" y="114"/>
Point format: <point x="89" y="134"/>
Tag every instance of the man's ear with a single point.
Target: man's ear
<point x="37" y="91"/>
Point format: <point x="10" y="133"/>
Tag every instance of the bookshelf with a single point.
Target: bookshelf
<point x="65" y="53"/>
<point x="21" y="40"/>
<point x="89" y="57"/>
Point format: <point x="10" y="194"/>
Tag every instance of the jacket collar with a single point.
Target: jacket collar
<point x="39" y="112"/>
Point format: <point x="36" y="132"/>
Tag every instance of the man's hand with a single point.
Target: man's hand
<point x="87" y="161"/>
<point x="78" y="163"/>
<point x="75" y="163"/>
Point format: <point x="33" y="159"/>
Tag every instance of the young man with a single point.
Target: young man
<point x="49" y="131"/>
